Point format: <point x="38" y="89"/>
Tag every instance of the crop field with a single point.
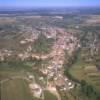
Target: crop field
<point x="87" y="72"/>
<point x="16" y="89"/>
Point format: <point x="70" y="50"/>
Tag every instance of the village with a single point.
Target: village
<point x="54" y="72"/>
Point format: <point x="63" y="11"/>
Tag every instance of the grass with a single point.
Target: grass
<point x="43" y="44"/>
<point x="77" y="70"/>
<point x="49" y="96"/>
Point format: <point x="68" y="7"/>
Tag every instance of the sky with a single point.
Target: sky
<point x="48" y="3"/>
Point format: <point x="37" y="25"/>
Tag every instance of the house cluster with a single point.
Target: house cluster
<point x="55" y="70"/>
<point x="4" y="54"/>
<point x="30" y="39"/>
<point x="49" y="32"/>
<point x="35" y="88"/>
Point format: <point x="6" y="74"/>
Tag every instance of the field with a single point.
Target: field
<point x="49" y="96"/>
<point x="15" y="89"/>
<point x="82" y="70"/>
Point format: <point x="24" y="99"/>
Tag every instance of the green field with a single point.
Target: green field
<point x="87" y="72"/>
<point x="49" y="96"/>
<point x="43" y="45"/>
<point x="16" y="89"/>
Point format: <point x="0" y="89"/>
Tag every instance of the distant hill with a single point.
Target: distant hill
<point x="51" y="11"/>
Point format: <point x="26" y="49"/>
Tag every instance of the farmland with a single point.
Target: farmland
<point x="14" y="90"/>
